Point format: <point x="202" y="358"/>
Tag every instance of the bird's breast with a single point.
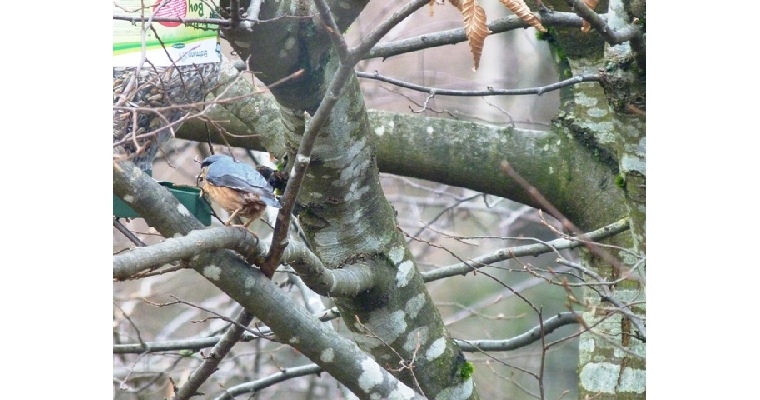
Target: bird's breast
<point x="227" y="198"/>
<point x="247" y="204"/>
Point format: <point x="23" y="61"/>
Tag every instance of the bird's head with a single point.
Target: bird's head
<point x="212" y="159"/>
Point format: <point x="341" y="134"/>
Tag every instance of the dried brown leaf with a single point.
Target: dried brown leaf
<point x="457" y="4"/>
<point x="475" y="28"/>
<point x="523" y="12"/>
<point x="591" y="4"/>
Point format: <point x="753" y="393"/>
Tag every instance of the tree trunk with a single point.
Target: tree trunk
<point x="345" y="216"/>
<point x="609" y="119"/>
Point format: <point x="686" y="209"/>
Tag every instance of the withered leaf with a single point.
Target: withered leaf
<point x="523" y="12"/>
<point x="474" y="27"/>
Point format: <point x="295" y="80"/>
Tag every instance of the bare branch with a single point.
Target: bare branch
<point x="478" y="93"/>
<point x="534" y="249"/>
<point x="126" y="232"/>
<point x="604" y="255"/>
<point x="608" y="295"/>
<point x="196" y="242"/>
<point x="211" y="362"/>
<point x="338" y="41"/>
<point x="347" y="281"/>
<point x="285" y="374"/>
<point x="454" y="36"/>
<point x="202" y="343"/>
<point x="610" y="36"/>
<point x="224" y="23"/>
<point x="358" y="52"/>
<point x="522" y="340"/>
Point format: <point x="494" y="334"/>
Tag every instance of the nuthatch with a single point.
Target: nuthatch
<point x="237" y="187"/>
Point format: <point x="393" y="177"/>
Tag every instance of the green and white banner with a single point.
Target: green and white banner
<point x="165" y="43"/>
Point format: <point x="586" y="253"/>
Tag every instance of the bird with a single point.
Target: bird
<point x="237" y="187"/>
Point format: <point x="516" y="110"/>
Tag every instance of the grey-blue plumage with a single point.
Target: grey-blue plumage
<point x="223" y="171"/>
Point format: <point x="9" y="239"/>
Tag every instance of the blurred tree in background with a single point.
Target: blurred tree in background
<point x="445" y="233"/>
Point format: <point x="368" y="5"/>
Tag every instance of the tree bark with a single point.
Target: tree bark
<point x="609" y="119"/>
<point x="292" y="323"/>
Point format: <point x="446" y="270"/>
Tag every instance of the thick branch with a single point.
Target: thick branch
<point x="196" y="242"/>
<point x="468" y="154"/>
<point x="290" y="321"/>
<point x="443" y="150"/>
<point x="303" y="158"/>
<point x="348" y="281"/>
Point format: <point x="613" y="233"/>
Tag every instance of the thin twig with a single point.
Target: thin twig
<point x="545" y="204"/>
<point x="479" y="93"/>
<point x="126" y="232"/>
<point x="283" y="375"/>
<point x="533" y="249"/>
<point x="211" y="362"/>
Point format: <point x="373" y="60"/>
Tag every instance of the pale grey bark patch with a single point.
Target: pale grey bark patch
<point x="396" y="254"/>
<point x="405" y="273"/>
<point x="249" y="282"/>
<point x="606" y="377"/>
<point x="371" y="375"/>
<point x="326" y="238"/>
<point x="328" y="355"/>
<point x="183" y="210"/>
<point x="212" y="272"/>
<point x="631" y="163"/>
<point x="414" y="305"/>
<point x="462" y="391"/>
<point x="388" y="326"/>
<point x="436" y="349"/>
<point x="402" y="392"/>
<point x="415" y="338"/>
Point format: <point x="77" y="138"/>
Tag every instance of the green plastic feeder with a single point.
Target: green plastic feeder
<point x="189" y="196"/>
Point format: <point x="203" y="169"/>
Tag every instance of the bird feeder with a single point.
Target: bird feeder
<point x="189" y="196"/>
